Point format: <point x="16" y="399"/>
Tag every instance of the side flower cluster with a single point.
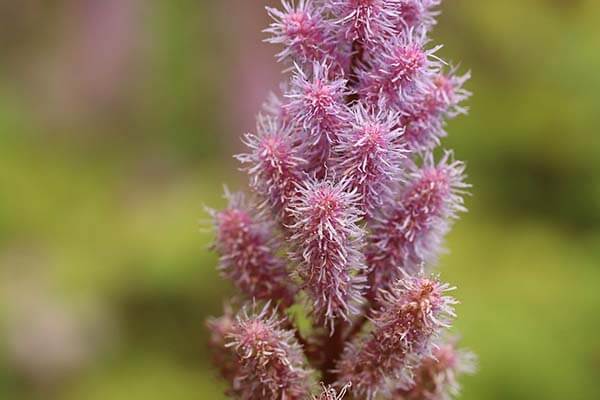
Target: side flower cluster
<point x="437" y="376"/>
<point x="409" y="232"/>
<point x="247" y="248"/>
<point x="270" y="360"/>
<point x="412" y="314"/>
<point x="351" y="199"/>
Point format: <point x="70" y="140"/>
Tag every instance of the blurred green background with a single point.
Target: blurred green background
<point x="118" y="119"/>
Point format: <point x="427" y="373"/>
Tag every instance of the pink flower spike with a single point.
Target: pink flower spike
<point x="424" y="118"/>
<point x="415" y="14"/>
<point x="326" y="244"/>
<point x="369" y="154"/>
<point x="413" y="313"/>
<point x="273" y="163"/>
<point x="270" y="361"/>
<point x="350" y="210"/>
<point x="316" y="98"/>
<point x="437" y="376"/>
<point x="303" y="32"/>
<point x="401" y="71"/>
<point x="449" y="92"/>
<point x="274" y="106"/>
<point x="317" y="103"/>
<point x="409" y="233"/>
<point x="220" y="328"/>
<point x="247" y="248"/>
<point x="364" y="20"/>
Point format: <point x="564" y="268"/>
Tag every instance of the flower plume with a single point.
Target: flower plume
<point x="425" y="118"/>
<point x="369" y="154"/>
<point x="302" y="31"/>
<point x="273" y="163"/>
<point x="409" y="233"/>
<point x="415" y="14"/>
<point x="404" y="69"/>
<point x="348" y="213"/>
<point x="247" y="250"/>
<point x="364" y="20"/>
<point x="326" y="243"/>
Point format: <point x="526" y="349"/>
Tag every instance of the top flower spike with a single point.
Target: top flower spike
<point x="302" y="30"/>
<point x="352" y="207"/>
<point x="365" y="20"/>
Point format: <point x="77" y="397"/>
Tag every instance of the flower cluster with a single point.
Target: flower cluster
<point x="408" y="232"/>
<point x="326" y="242"/>
<point x="270" y="360"/>
<point x="412" y="313"/>
<point x="436" y="377"/>
<point x="247" y="248"/>
<point x="351" y="200"/>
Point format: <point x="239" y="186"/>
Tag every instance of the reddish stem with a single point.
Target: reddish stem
<point x="332" y="350"/>
<point x="357" y="56"/>
<point x="357" y="326"/>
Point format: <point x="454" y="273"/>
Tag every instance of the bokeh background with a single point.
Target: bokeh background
<point x="118" y="119"/>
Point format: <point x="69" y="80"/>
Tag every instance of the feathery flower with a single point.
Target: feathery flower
<point x="220" y="328"/>
<point x="316" y="99"/>
<point x="369" y="154"/>
<point x="437" y="376"/>
<point x="301" y="29"/>
<point x="317" y="102"/>
<point x="449" y="92"/>
<point x="415" y="14"/>
<point x="271" y="364"/>
<point x="247" y="250"/>
<point x="273" y="164"/>
<point x="274" y="106"/>
<point x="342" y="165"/>
<point x="424" y="118"/>
<point x="364" y="20"/>
<point x="411" y="316"/>
<point x="326" y="245"/>
<point x="409" y="233"/>
<point x="400" y="71"/>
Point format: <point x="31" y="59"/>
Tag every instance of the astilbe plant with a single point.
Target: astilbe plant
<point x="347" y="215"/>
